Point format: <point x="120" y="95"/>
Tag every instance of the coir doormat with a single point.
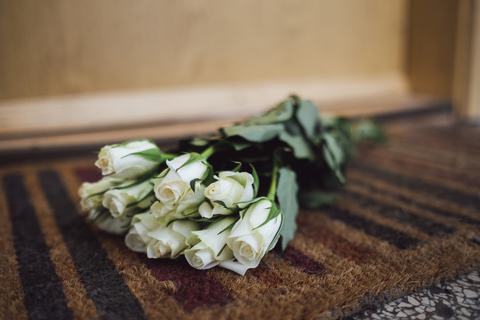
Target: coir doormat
<point x="408" y="217"/>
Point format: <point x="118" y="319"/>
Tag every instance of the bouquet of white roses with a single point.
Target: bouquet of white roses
<point x="204" y="202"/>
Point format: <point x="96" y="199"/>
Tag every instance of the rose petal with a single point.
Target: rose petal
<point x="237" y="267"/>
<point x="134" y="241"/>
<point x="206" y="210"/>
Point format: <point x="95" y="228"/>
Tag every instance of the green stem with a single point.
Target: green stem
<point x="168" y="156"/>
<point x="208" y="152"/>
<point x="273" y="184"/>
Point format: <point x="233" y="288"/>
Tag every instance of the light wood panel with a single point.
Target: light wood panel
<point x="466" y="88"/>
<point x="473" y="109"/>
<point x="172" y="132"/>
<point x="59" y="47"/>
<point x="431" y="46"/>
<point x="32" y="117"/>
<point x="463" y="47"/>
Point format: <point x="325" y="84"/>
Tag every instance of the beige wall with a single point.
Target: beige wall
<point x="432" y="46"/>
<point x="58" y="47"/>
<point x="474" y="78"/>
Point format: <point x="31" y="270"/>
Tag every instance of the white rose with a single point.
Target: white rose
<point x="187" y="207"/>
<point x="169" y="241"/>
<point x="173" y="188"/>
<point x="160" y="210"/>
<point x="248" y="241"/>
<point x="137" y="237"/>
<point x="112" y="225"/>
<point x="230" y="188"/>
<point x="122" y="201"/>
<point x="91" y="194"/>
<point x="210" y="245"/>
<point x="129" y="160"/>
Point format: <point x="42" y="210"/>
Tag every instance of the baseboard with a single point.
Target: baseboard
<point x="66" y="122"/>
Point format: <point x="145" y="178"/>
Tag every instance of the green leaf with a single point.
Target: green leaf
<point x="149" y="194"/>
<point x="282" y="112"/>
<point x="230" y="226"/>
<point x="193" y="157"/>
<point x="98" y="193"/>
<point x="221" y="250"/>
<point x="208" y="173"/>
<point x="258" y="133"/>
<point x="240" y="180"/>
<point x="166" y="171"/>
<point x="339" y="124"/>
<point x="334" y="155"/>
<point x="135" y="183"/>
<point x="249" y="202"/>
<point x="153" y="154"/>
<point x="300" y="147"/>
<point x="293" y="136"/>
<point x="99" y="213"/>
<point x="368" y="131"/>
<point x="199" y="142"/>
<point x="237" y="168"/>
<point x="126" y="225"/>
<point x="193" y="182"/>
<point x="307" y="115"/>
<point x="256" y="181"/>
<point x="237" y="145"/>
<point x="209" y="220"/>
<point x="207" y="177"/>
<point x="315" y="199"/>
<point x="287" y="198"/>
<point x="277" y="235"/>
<point x="225" y="206"/>
<point x="172" y="221"/>
<point x="188" y="214"/>
<point x="272" y="214"/>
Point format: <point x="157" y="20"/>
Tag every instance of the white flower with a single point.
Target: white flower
<point x="137" y="237"/>
<point x="205" y="210"/>
<point x="187" y="207"/>
<point x="173" y="187"/>
<point x="112" y="225"/>
<point x="169" y="241"/>
<point x="250" y="242"/>
<point x="230" y="188"/>
<point x="122" y="200"/>
<point x="91" y="194"/>
<point x="129" y="160"/>
<point x="161" y="210"/>
<point x="210" y="246"/>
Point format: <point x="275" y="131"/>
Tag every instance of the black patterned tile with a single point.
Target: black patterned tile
<point x="455" y="299"/>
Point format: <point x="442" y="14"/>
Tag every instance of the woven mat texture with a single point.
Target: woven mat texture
<point x="408" y="217"/>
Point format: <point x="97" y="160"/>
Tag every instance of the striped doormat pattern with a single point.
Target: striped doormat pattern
<point x="408" y="217"/>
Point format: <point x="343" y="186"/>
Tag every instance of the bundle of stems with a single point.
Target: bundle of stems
<point x="226" y="199"/>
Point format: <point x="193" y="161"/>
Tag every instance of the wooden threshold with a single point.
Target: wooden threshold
<point x="107" y="111"/>
<point x="168" y="115"/>
<point x="173" y="132"/>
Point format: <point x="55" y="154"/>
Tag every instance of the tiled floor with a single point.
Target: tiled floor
<point x="455" y="299"/>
